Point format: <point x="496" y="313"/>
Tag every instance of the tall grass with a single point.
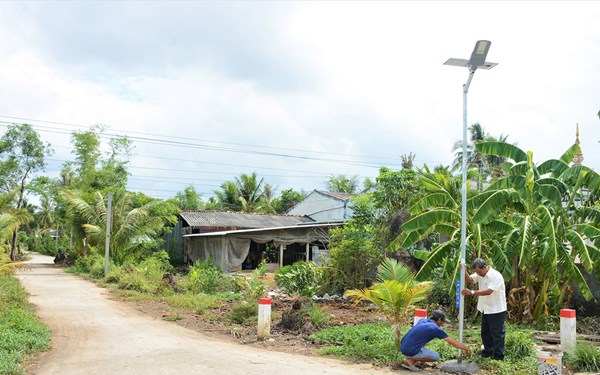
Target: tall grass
<point x="21" y="333"/>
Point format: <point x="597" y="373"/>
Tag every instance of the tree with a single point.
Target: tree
<point x="486" y="165"/>
<point x="246" y="193"/>
<point x="521" y="222"/>
<point x="137" y="222"/>
<point x="22" y="153"/>
<point x="189" y="199"/>
<point x="552" y="222"/>
<point x="288" y="199"/>
<point x="408" y="160"/>
<point x="342" y="184"/>
<point x="90" y="171"/>
<point x="395" y="291"/>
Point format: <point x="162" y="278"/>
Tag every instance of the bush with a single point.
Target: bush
<point x="318" y="317"/>
<point x="301" y="278"/>
<point x="584" y="358"/>
<point x="91" y="265"/>
<point x="203" y="277"/>
<point x="244" y="312"/>
<point x="519" y="345"/>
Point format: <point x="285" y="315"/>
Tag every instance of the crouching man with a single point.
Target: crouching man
<point x="414" y="341"/>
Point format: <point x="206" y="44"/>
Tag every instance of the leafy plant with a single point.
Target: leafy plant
<point x="519" y="345"/>
<point x="394" y="293"/>
<point x="243" y="312"/>
<point x="365" y="341"/>
<point x="204" y="278"/>
<point x="318" y="317"/>
<point x="301" y="278"/>
<point x="253" y="288"/>
<point x="584" y="358"/>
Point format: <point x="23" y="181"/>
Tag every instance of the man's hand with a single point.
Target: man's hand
<point x="468" y="352"/>
<point x="465" y="292"/>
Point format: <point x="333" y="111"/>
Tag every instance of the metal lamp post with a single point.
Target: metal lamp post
<point x="477" y="61"/>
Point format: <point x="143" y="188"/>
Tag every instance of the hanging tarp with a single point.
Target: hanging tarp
<point x="229" y="249"/>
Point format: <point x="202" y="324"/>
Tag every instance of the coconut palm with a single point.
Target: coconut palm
<point x="133" y="228"/>
<point x="395" y="291"/>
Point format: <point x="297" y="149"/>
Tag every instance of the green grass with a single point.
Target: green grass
<point x="21" y="332"/>
<point x="585" y="358"/>
<point x="374" y="343"/>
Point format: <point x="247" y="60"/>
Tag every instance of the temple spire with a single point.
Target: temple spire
<point x="578" y="158"/>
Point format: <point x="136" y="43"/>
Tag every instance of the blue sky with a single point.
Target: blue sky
<point x="297" y="91"/>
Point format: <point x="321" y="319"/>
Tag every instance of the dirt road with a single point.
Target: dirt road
<point x="92" y="334"/>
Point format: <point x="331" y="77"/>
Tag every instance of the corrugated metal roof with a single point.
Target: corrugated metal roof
<point x="340" y="196"/>
<point x="239" y="220"/>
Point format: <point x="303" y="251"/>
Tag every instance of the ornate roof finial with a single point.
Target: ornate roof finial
<point x="578" y="158"/>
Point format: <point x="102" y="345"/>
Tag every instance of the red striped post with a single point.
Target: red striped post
<point x="419" y="314"/>
<point x="264" y="318"/>
<point x="568" y="332"/>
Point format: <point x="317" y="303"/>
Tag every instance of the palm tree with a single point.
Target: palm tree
<point x="251" y="192"/>
<point x="132" y="228"/>
<point x="342" y="184"/>
<point x="395" y="291"/>
<point x="486" y="165"/>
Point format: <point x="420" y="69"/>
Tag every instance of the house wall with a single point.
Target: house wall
<point x="322" y="208"/>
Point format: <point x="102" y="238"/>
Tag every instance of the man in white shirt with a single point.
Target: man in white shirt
<point x="492" y="304"/>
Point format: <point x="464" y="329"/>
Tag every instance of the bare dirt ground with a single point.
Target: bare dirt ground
<point x="93" y="333"/>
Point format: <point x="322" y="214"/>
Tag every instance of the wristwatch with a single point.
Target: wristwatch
<point x="472" y="292"/>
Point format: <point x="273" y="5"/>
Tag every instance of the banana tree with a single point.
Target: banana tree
<point x="395" y="291"/>
<point x="549" y="208"/>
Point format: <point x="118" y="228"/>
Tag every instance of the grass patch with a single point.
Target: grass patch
<point x="374" y="342"/>
<point x="22" y="333"/>
<point x="584" y="358"/>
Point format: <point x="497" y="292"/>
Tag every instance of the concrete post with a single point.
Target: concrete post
<point x="264" y="318"/>
<point x="568" y="333"/>
<point x="419" y="314"/>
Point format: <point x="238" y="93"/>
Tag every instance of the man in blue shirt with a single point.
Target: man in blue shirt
<point x="414" y="341"/>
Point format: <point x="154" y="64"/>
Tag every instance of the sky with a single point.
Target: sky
<point x="297" y="91"/>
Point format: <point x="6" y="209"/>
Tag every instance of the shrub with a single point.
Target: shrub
<point x="244" y="312"/>
<point x="253" y="288"/>
<point x="91" y="265"/>
<point x="519" y="345"/>
<point x="301" y="278"/>
<point x="318" y="317"/>
<point x="584" y="358"/>
<point x="204" y="278"/>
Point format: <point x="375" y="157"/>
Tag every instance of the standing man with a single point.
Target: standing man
<point x="492" y="304"/>
<point x="414" y="341"/>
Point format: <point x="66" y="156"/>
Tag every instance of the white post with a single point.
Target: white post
<point x="307" y="252"/>
<point x="568" y="332"/>
<point x="419" y="314"/>
<point x="264" y="318"/>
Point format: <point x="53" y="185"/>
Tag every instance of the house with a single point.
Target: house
<point x="324" y="206"/>
<point x="241" y="240"/>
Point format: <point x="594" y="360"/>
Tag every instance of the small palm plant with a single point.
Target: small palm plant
<point x="395" y="291"/>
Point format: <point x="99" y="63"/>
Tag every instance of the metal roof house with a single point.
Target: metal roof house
<point x="324" y="206"/>
<point x="240" y="240"/>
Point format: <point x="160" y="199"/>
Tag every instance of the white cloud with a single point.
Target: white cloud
<point x="352" y="78"/>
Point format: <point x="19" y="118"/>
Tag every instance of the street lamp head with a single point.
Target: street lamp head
<point x="479" y="53"/>
<point x="477" y="60"/>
